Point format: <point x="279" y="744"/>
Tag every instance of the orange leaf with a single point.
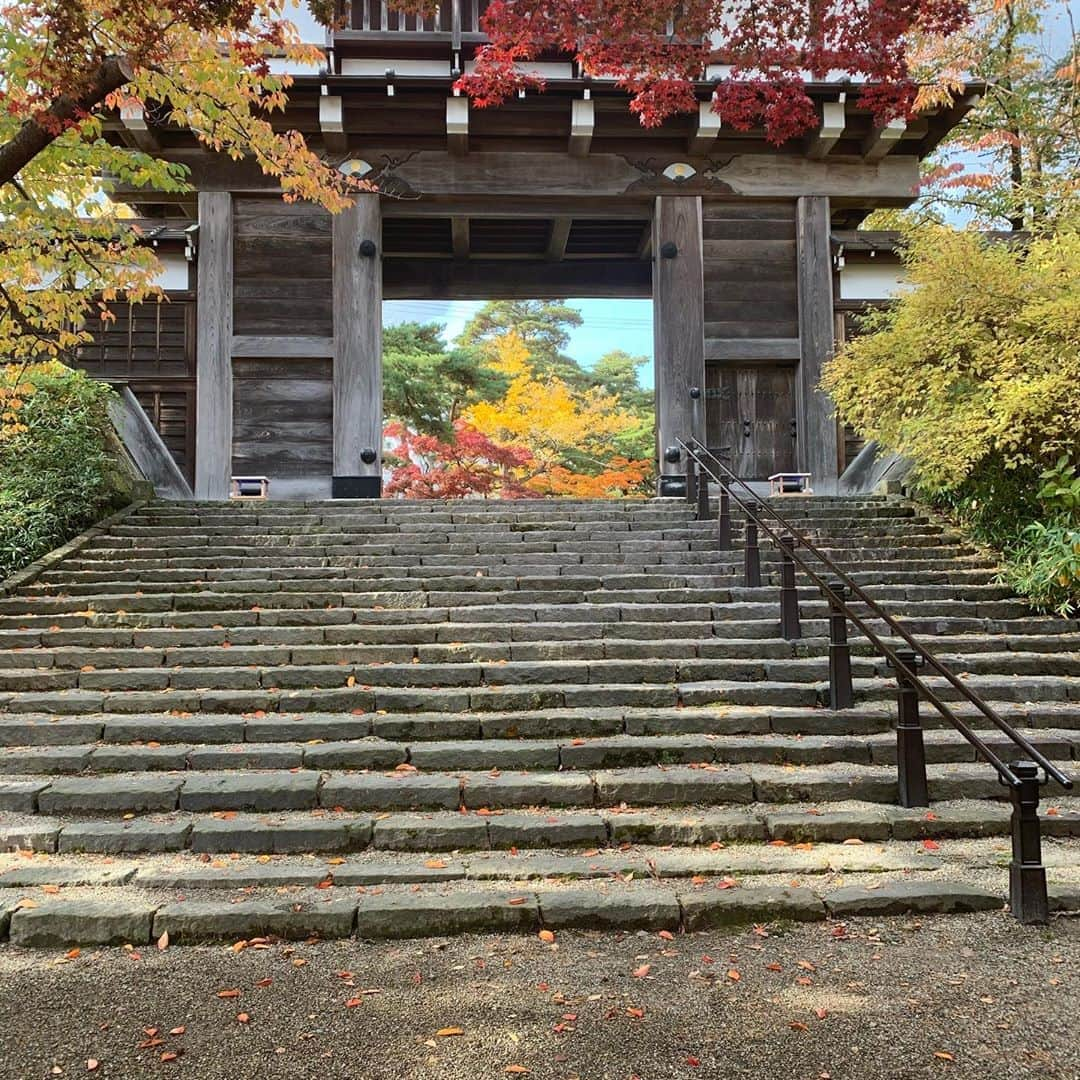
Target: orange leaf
<point x="944" y="1055"/>
<point x="641" y="972"/>
<point x="449" y="1031"/>
<point x="353" y="1002"/>
<point x="169" y="1055"/>
<point x="265" y="982"/>
<point x="242" y="1018"/>
<point x="516" y="1070"/>
<point x="667" y="935"/>
<point x="163" y="941"/>
<point x="733" y="975"/>
<point x="436" y="864"/>
<point x="797" y="1025"/>
<point x="92" y="1064"/>
<point x="547" y="937"/>
<point x="178" y="1030"/>
<point x="636" y="1013"/>
<point x="931" y="845"/>
<point x="228" y="993"/>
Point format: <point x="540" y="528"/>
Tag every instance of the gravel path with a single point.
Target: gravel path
<point x="892" y="999"/>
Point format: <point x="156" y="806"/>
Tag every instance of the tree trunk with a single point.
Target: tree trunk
<point x="32" y="138"/>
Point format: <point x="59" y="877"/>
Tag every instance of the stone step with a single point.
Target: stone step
<point x="271" y="791"/>
<point x="617" y="751"/>
<point x="739" y="832"/>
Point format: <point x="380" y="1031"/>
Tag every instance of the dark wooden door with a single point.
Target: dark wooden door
<point x="751" y="410"/>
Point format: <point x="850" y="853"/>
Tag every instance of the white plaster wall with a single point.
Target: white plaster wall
<point x="872" y="281"/>
<point x="174" y="271"/>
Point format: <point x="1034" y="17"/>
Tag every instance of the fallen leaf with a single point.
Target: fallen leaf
<point x="169" y="1055"/>
<point x="92" y="1064"/>
<point x="797" y="1025"/>
<point x="177" y="1030"/>
<point x="547" y="937"/>
<point x="265" y="982"/>
<point x="435" y="864"/>
<point x="446" y="1032"/>
<point x="163" y="941"/>
<point x="641" y="972"/>
<point x="931" y="845"/>
<point x="353" y="1002"/>
<point x="733" y="975"/>
<point x="516" y="1070"/>
<point x="667" y="935"/>
<point x="693" y="1062"/>
<point x="944" y="1055"/>
<point x="228" y="993"/>
<point x="242" y="1018"/>
<point x="635" y="1012"/>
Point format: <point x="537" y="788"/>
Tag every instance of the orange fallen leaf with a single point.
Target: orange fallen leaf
<point x="773" y="967"/>
<point x="944" y="1055"/>
<point x="353" y="1002"/>
<point x="641" y="972"/>
<point x="515" y="901"/>
<point x="635" y="1012"/>
<point x="228" y="993"/>
<point x="797" y="1025"/>
<point x="931" y="845"/>
<point x="447" y="1032"/>
<point x="177" y="1030"/>
<point x="73" y="954"/>
<point x="547" y="937"/>
<point x="169" y="1055"/>
<point x="667" y="935"/>
<point x="436" y="864"/>
<point x="52" y="890"/>
<point x="92" y="1064"/>
<point x="516" y="1070"/>
<point x="242" y="1018"/>
<point x="163" y="941"/>
<point x="265" y="982"/>
<point x="734" y="975"/>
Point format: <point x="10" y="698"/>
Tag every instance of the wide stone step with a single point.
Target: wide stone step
<point x="618" y="751"/>
<point x="139" y="917"/>
<point x="271" y="791"/>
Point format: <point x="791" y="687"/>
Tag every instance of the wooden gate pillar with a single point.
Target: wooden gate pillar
<point x="678" y="329"/>
<point x="213" y="395"/>
<point x="816" y="445"/>
<point x="358" y="417"/>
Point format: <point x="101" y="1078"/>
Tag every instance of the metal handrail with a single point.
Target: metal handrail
<point x="695" y="451"/>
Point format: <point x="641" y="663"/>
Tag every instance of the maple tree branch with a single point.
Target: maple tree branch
<point x="33" y="136"/>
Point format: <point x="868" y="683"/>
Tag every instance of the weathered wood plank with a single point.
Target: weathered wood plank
<point x="258" y="345"/>
<point x="816" y="447"/>
<point x="678" y="321"/>
<point x="484" y="279"/>
<point x="752" y="348"/>
<point x="213" y="447"/>
<point x="357" y="297"/>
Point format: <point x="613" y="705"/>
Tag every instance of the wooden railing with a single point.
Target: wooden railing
<point x="456" y="19"/>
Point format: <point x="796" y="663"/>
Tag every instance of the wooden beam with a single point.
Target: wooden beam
<point x="538" y="175"/>
<point x="213" y="398"/>
<point x="459" y="231"/>
<point x="644" y="248"/>
<point x="706" y="130"/>
<point x="357" y="304"/>
<point x="833" y="122"/>
<point x="496" y="205"/>
<point x="582" y="125"/>
<point x="133" y="117"/>
<point x="281" y="347"/>
<point x="678" y="323"/>
<point x="457" y="125"/>
<point x="560" y="233"/>
<point x="883" y="140"/>
<point x="332" y="124"/>
<point x="489" y="279"/>
<point x="752" y="348"/>
<point x="816" y="444"/>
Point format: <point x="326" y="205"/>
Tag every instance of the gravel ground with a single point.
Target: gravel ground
<point x="888" y="999"/>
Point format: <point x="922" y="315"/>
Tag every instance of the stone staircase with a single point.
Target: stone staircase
<point x="397" y="718"/>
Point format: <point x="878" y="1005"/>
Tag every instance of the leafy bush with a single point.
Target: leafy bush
<point x="975" y="376"/>
<point x="60" y="470"/>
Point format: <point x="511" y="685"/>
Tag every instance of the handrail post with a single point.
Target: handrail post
<point x="691" y="480"/>
<point x="789" y="595"/>
<point x="1027" y="875"/>
<point x="910" y="747"/>
<point x="723" y="528"/>
<point x="841" y="695"/>
<point x="704" y="510"/>
<point x="751" y="555"/>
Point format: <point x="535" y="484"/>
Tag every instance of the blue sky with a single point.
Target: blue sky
<point x="608" y="325"/>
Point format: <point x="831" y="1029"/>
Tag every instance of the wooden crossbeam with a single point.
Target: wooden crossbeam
<point x="560" y="233"/>
<point x="706" y="130"/>
<point x="459" y="232"/>
<point x="133" y="117"/>
<point x="883" y="140"/>
<point x="833" y="122"/>
<point x="457" y="125"/>
<point x="582" y="124"/>
<point x="332" y="124"/>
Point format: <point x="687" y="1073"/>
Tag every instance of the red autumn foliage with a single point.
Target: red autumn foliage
<point x="426" y="467"/>
<point x="772" y="48"/>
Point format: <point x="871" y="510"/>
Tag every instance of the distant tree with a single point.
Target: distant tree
<point x="426" y="385"/>
<point x="467" y="463"/>
<point x="1014" y="160"/>
<point x="543" y="325"/>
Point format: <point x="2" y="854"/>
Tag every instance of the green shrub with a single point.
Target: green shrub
<point x="60" y="469"/>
